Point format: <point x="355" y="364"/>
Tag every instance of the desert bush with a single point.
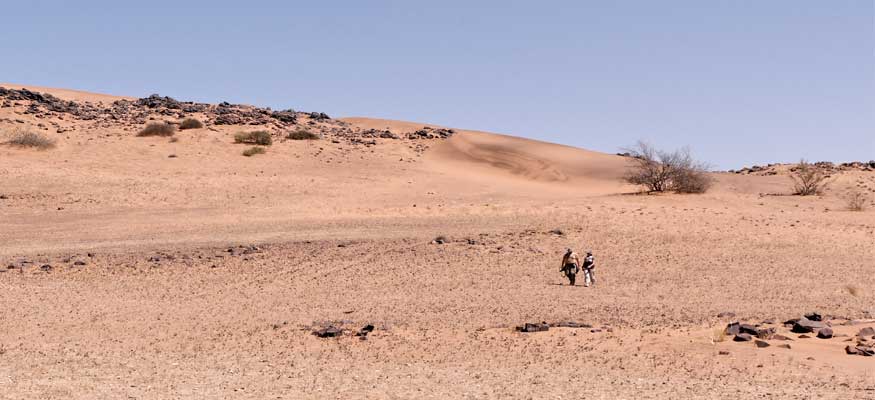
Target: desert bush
<point x="253" y="151"/>
<point x="808" y="179"/>
<point x="662" y="171"/>
<point x="302" y="134"/>
<point x="36" y="140"/>
<point x="190" y="123"/>
<point x="158" y="129"/>
<point x="262" y="138"/>
<point x="857" y="201"/>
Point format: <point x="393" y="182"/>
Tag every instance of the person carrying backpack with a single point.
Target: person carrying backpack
<point x="570" y="265"/>
<point x="588" y="266"/>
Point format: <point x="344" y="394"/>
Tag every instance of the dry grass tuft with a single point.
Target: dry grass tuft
<point x="261" y="138"/>
<point x="253" y="151"/>
<point x="35" y="140"/>
<point x="302" y="134"/>
<point x="857" y="201"/>
<point x="158" y="129"/>
<point x="190" y="123"/>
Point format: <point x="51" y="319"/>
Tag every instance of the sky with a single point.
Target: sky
<point x="739" y="82"/>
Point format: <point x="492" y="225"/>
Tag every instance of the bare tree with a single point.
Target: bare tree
<point x="808" y="179"/>
<point x="661" y="171"/>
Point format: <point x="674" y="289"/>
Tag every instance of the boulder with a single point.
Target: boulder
<point x="742" y="337"/>
<point x="805" y="325"/>
<point x="867" y="331"/>
<point x="825" y="333"/>
<point x="733" y="328"/>
<point x="748" y="328"/>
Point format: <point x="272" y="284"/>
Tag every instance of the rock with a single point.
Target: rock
<point x="761" y="343"/>
<point x="569" y="324"/>
<point x="733" y="328"/>
<point x="534" y="327"/>
<point x="365" y="330"/>
<point x="328" y="332"/>
<point x="79" y="263"/>
<point x="723" y="353"/>
<point x="804" y="337"/>
<point x="747" y="328"/>
<point x="867" y="331"/>
<point x="814" y="317"/>
<point x="825" y="333"/>
<point x="742" y="337"/>
<point x="784" y="346"/>
<point x="765" y="333"/>
<point x="46" y="267"/>
<point x="851" y="350"/>
<point x="778" y="336"/>
<point x="726" y="314"/>
<point x="805" y="325"/>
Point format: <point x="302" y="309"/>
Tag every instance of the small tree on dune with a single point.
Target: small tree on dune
<point x="663" y="171"/>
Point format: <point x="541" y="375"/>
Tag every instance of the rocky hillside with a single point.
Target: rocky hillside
<point x="124" y="115"/>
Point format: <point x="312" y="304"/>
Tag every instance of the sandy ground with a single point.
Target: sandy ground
<point x="203" y="275"/>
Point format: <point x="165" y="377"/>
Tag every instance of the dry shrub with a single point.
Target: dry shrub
<point x="302" y="134"/>
<point x="857" y="201"/>
<point x="253" y="151"/>
<point x="808" y="179"/>
<point x="262" y="138"/>
<point x="31" y="139"/>
<point x="158" y="129"/>
<point x="718" y="335"/>
<point x="190" y="123"/>
<point x="662" y="171"/>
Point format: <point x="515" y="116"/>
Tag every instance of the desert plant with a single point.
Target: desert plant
<point x="808" y="179"/>
<point x="253" y="151"/>
<point x="302" y="134"/>
<point x="24" y="138"/>
<point x="662" y="171"/>
<point x="857" y="201"/>
<point x="262" y="138"/>
<point x="190" y="123"/>
<point x="158" y="129"/>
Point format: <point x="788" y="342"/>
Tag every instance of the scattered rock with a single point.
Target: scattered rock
<point x="761" y="343"/>
<point x="867" y="331"/>
<point x="365" y="330"/>
<point x="765" y="333"/>
<point x="328" y="332"/>
<point x="534" y="327"/>
<point x="726" y="314"/>
<point x="742" y="337"/>
<point x="804" y="337"/>
<point x="748" y="328"/>
<point x="723" y="353"/>
<point x="571" y="324"/>
<point x="784" y="346"/>
<point x="825" y="333"/>
<point x="778" y="336"/>
<point x="46" y="267"/>
<point x="79" y="263"/>
<point x="733" y="328"/>
<point x="814" y="317"/>
<point x="805" y="325"/>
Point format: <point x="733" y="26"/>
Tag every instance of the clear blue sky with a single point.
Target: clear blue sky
<point x="741" y="82"/>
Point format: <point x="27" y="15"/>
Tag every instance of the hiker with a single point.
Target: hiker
<point x="588" y="266"/>
<point x="570" y="265"/>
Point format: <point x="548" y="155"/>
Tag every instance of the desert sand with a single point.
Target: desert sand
<point x="145" y="268"/>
